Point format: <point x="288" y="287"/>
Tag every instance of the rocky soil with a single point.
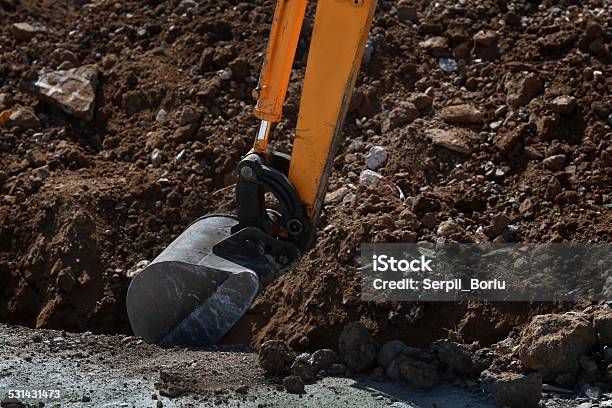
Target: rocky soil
<point x="555" y="360"/>
<point x="471" y="122"/>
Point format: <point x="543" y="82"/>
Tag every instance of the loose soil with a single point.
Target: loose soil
<point x="70" y="233"/>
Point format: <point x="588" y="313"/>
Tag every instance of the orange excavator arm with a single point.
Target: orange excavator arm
<point x="276" y="69"/>
<point x="338" y="41"/>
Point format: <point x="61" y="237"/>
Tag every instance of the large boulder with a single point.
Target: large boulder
<point x="553" y="343"/>
<point x="514" y="390"/>
<point x="275" y="356"/>
<point x="417" y="373"/>
<point x="409" y="357"/>
<point x="389" y="352"/>
<point x="357" y="347"/>
<point x="323" y="359"/>
<point x="393" y="370"/>
<point x="293" y="384"/>
<point x="458" y="359"/>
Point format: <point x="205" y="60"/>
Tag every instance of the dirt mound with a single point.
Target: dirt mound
<point x="82" y="203"/>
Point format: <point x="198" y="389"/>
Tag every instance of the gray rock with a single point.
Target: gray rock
<point x="303" y="369"/>
<point x="357" y="347"/>
<point x="376" y="157"/>
<point x="243" y="389"/>
<point x="389" y="352"/>
<point x="448" y="65"/>
<point x="556" y="162"/>
<point x="156" y="157"/>
<point x="377" y="181"/>
<point x="161" y="115"/>
<point x="303" y="357"/>
<point x="349" y="198"/>
<point x="323" y="359"/>
<point x="72" y="90"/>
<point x="182" y="156"/>
<point x="369" y="51"/>
<point x="448" y="228"/>
<point x="225" y="74"/>
<point x="275" y="356"/>
<point x="496" y="125"/>
<point x="564" y="104"/>
<point x="514" y="390"/>
<point x="293" y="384"/>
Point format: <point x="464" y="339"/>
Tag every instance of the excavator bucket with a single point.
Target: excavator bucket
<point x="189" y="295"/>
<point x="204" y="281"/>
